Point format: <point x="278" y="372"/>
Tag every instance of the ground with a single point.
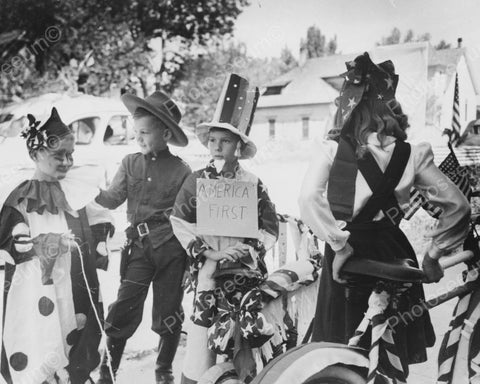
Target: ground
<point x="281" y="167"/>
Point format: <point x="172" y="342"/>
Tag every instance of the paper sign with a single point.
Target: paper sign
<point x="227" y="208"/>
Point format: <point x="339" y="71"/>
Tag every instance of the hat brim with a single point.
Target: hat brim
<point x="202" y="130"/>
<point x="133" y="102"/>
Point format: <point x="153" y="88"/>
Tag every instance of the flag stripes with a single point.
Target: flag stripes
<point x="451" y="168"/>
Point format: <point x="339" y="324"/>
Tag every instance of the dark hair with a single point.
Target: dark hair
<point x="387" y="119"/>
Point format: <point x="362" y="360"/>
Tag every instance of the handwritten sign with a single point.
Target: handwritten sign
<point x="227" y="208"/>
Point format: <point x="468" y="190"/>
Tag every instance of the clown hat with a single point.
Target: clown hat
<point x="235" y="111"/>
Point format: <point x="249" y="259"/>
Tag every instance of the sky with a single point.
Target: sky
<point x="266" y="26"/>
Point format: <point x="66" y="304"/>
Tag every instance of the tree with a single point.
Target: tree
<point x="204" y="74"/>
<point x="315" y="44"/>
<point x="442" y="45"/>
<point x="409" y="36"/>
<point x="332" y="46"/>
<point x="393" y="38"/>
<point x="117" y="35"/>
<point x="287" y="59"/>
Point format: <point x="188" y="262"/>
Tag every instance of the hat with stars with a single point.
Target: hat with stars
<point x="235" y="111"/>
<point x="365" y="79"/>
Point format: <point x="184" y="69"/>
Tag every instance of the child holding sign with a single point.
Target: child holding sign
<point x="224" y="219"/>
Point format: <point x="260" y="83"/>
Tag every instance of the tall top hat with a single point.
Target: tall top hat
<point x="235" y="111"/>
<point x="162" y="107"/>
<point x="365" y="79"/>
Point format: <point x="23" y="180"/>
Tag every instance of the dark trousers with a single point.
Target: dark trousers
<point x="164" y="267"/>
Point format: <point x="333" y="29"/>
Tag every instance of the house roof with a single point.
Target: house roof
<point x="301" y="89"/>
<point x="312" y="82"/>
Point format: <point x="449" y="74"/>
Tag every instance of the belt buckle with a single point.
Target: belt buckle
<point x="142" y="230"/>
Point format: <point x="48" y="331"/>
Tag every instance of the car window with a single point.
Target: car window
<point x="84" y="129"/>
<point x="119" y="130"/>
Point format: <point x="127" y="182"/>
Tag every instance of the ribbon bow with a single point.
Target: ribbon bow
<point x="247" y="320"/>
<point x="36" y="138"/>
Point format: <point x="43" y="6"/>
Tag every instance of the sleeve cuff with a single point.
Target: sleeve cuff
<point x="337" y="242"/>
<point x="197" y="247"/>
<point x="435" y="252"/>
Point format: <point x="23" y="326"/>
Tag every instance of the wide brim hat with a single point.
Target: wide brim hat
<point x="234" y="112"/>
<point x="162" y="107"/>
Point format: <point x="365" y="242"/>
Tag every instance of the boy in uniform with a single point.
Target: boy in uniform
<point x="149" y="181"/>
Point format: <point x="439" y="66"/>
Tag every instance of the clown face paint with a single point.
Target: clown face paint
<point x="53" y="163"/>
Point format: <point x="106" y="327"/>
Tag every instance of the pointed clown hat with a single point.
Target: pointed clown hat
<point x="47" y="135"/>
<point x="162" y="107"/>
<point x="235" y="111"/>
<point x="365" y="79"/>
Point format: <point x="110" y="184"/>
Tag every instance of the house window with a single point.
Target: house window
<point x="305" y="127"/>
<point x="271" y="128"/>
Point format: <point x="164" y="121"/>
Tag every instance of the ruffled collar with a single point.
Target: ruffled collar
<point x="40" y="196"/>
<point x="75" y="191"/>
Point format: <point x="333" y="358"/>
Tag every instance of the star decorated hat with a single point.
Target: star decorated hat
<point x="235" y="112"/>
<point x="365" y="79"/>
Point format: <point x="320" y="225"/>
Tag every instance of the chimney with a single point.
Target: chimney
<point x="459" y="42"/>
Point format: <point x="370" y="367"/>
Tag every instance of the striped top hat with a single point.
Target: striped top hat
<point x="235" y="111"/>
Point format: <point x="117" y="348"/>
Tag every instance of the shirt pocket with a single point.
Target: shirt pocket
<point x="134" y="186"/>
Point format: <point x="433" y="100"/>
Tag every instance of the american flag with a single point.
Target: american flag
<point x="451" y="168"/>
<point x="456" y="113"/>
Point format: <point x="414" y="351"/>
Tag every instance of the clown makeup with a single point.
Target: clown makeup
<point x="223" y="145"/>
<point x="53" y="163"/>
<point x="151" y="134"/>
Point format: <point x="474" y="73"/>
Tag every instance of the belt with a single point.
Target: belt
<point x="142" y="229"/>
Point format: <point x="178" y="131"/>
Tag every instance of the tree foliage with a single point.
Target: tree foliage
<point x="109" y="42"/>
<point x="315" y="44"/>
<point x="199" y="89"/>
<point x="395" y="37"/>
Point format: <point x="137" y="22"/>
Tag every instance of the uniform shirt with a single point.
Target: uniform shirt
<point x="421" y="172"/>
<point x="150" y="184"/>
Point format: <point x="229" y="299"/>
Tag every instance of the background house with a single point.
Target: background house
<point x="298" y="104"/>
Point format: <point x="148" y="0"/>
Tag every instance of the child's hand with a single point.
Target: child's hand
<point x="339" y="260"/>
<point x="432" y="269"/>
<point x="231" y="253"/>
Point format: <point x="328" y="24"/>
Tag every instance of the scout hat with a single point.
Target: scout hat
<point x="235" y="111"/>
<point x="365" y="79"/>
<point x="162" y="107"/>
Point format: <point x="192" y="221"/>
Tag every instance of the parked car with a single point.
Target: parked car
<point x="103" y="129"/>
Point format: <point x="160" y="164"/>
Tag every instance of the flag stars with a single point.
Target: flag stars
<point x="351" y="103"/>
<point x="198" y="315"/>
<point x="389" y="81"/>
